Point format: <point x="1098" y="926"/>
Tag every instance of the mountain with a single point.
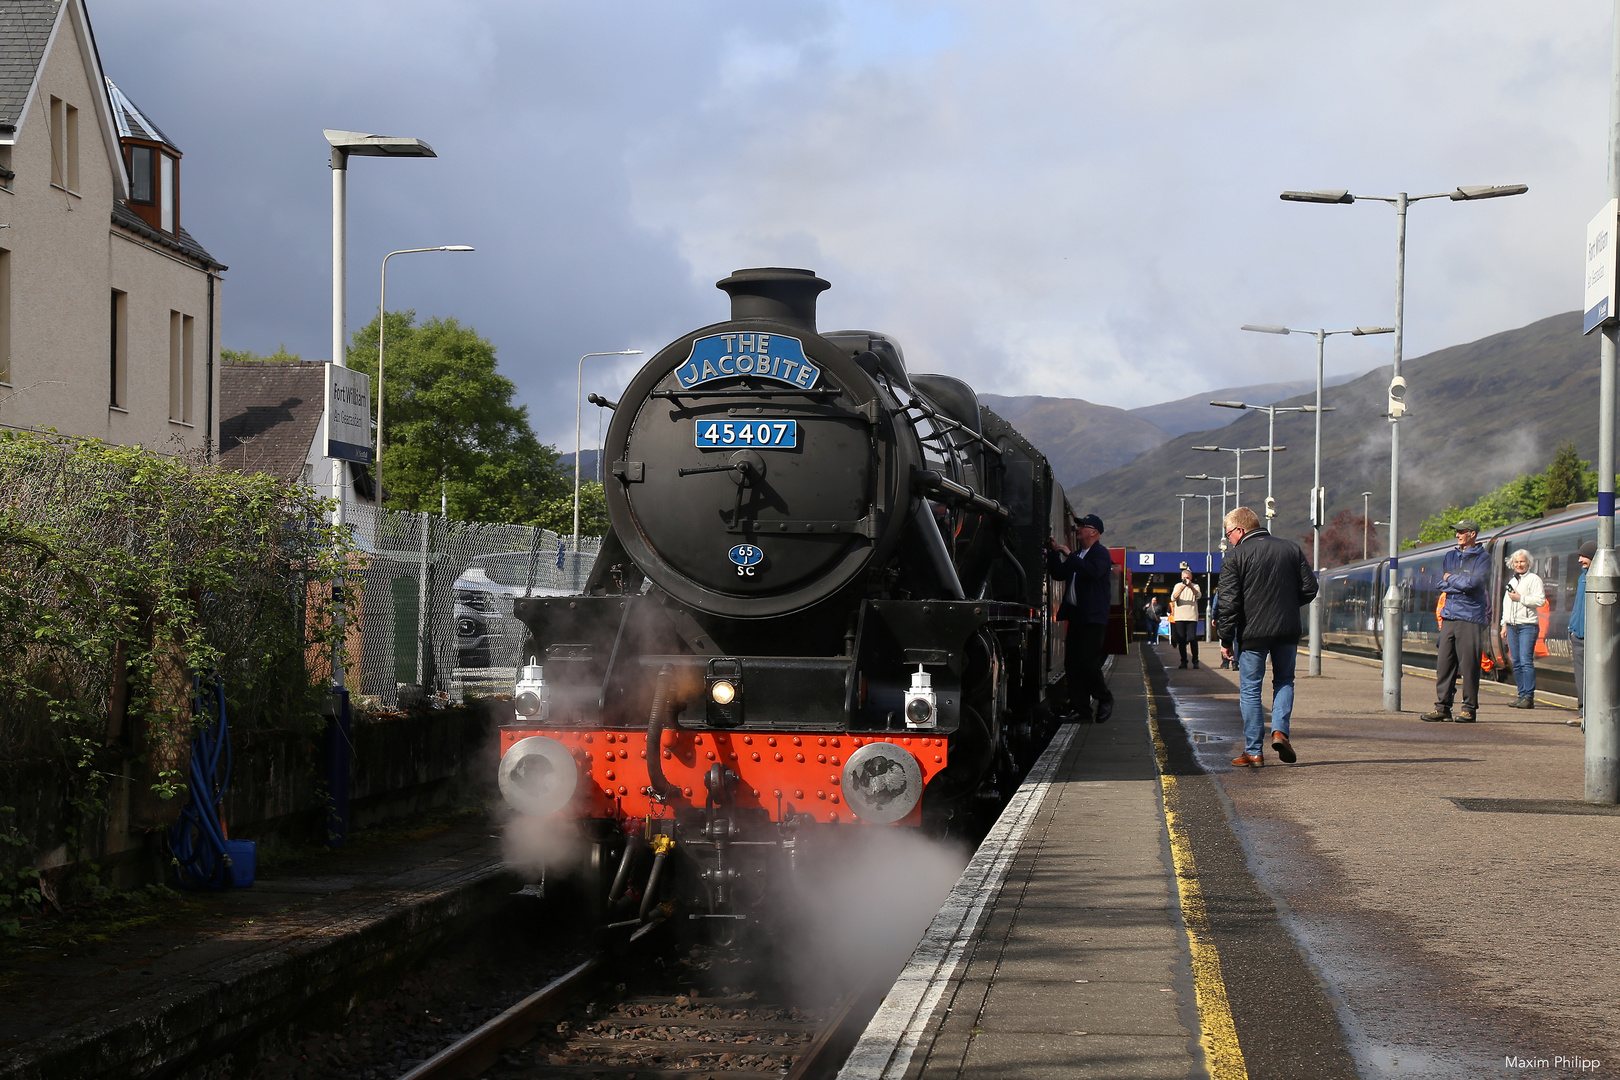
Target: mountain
<point x="1195" y="413"/>
<point x="1084" y="440"/>
<point x="1478" y="415"/>
<point x="587" y="458"/>
<point x="1081" y="439"/>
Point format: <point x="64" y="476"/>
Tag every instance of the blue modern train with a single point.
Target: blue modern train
<point x="1353" y="617"/>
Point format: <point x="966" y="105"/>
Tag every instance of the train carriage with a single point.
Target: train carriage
<point x="1352" y="595"/>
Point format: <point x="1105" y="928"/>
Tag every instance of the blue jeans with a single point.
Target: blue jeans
<point x="1251" y="672"/>
<point x="1521" y="640"/>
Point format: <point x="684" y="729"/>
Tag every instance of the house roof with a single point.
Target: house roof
<point x="180" y="241"/>
<point x="131" y="122"/>
<point x="25" y="28"/>
<point x="270" y="411"/>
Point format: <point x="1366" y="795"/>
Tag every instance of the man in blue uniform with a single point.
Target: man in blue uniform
<point x="1085" y="576"/>
<point x="1464" y="618"/>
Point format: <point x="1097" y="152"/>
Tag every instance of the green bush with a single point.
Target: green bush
<point x="122" y="573"/>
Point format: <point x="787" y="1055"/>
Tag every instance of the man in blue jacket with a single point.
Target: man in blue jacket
<point x="1577" y="633"/>
<point x="1085" y="576"/>
<point x="1464" y="619"/>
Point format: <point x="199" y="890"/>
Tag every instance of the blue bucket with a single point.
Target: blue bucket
<point x="244" y="863"/>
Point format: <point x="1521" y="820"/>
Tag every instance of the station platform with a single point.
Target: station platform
<point x="1408" y="900"/>
<point x="150" y="995"/>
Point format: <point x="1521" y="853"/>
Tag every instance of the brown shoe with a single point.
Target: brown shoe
<point x="1465" y="715"/>
<point x="1253" y="761"/>
<point x="1285" y="749"/>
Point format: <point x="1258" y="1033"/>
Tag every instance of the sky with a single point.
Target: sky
<point x="1069" y="198"/>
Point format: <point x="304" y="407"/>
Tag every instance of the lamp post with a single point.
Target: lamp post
<point x="1318" y="494"/>
<point x="346" y="144"/>
<point x="382" y="330"/>
<point x="579" y="405"/>
<point x="1397" y="400"/>
<point x="1271" y="412"/>
<point x="1366" y="510"/>
<point x="1223" y="480"/>
<point x="1240" y="451"/>
<point x="336" y="737"/>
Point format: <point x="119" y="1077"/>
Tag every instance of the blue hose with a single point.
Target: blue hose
<point x="197" y="840"/>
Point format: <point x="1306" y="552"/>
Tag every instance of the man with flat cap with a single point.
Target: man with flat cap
<point x="1465" y="616"/>
<point x="1085" y="575"/>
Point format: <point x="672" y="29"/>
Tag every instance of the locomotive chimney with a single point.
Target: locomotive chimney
<point x="773" y="292"/>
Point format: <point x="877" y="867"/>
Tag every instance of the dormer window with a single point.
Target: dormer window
<point x="142" y="182"/>
<point x="154" y="185"/>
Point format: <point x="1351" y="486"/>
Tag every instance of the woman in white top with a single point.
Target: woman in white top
<point x="1521" y="623"/>
<point x="1184" y="615"/>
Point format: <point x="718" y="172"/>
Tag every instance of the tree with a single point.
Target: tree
<point x="236" y="356"/>
<point x="557" y="514"/>
<point x="1566" y="478"/>
<point x="450" y="425"/>
<point x="1342" y="539"/>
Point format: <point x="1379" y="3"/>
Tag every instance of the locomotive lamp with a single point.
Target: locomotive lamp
<point x="921" y="705"/>
<point x="724" y="680"/>
<point x="531" y="696"/>
<point x="538" y="775"/>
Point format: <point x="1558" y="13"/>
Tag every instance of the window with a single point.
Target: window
<point x="182" y="365"/>
<point x="140" y="174"/>
<point x="6" y="175"/>
<point x="167" y="196"/>
<point x="64" y="145"/>
<point x="118" y="352"/>
<point x="5" y="316"/>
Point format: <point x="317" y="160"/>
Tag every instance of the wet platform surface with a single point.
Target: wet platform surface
<point x="1407" y="900"/>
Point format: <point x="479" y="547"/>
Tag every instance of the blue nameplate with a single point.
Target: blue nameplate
<point x="764" y="356"/>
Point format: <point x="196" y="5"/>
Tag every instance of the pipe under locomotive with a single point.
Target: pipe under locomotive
<point x="822" y="603"/>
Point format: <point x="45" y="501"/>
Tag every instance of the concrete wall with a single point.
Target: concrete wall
<point x="67" y="257"/>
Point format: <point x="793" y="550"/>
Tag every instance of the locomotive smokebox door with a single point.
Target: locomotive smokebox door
<point x="756" y="470"/>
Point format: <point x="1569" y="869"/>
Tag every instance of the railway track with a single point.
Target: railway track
<point x="680" y="1020"/>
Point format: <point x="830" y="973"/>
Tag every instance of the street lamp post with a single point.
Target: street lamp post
<point x="1240" y="451"/>
<point x="1397" y="395"/>
<point x="1271" y="412"/>
<point x="579" y="406"/>
<point x="1318" y="495"/>
<point x="1183" y="499"/>
<point x="1366" y="510"/>
<point x="382" y="331"/>
<point x="337" y="742"/>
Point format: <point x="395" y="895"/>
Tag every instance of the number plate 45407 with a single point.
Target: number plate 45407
<point x="759" y="434"/>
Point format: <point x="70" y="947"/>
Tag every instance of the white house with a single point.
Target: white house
<point x="109" y="309"/>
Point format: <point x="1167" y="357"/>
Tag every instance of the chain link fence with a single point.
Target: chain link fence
<point x="436" y="607"/>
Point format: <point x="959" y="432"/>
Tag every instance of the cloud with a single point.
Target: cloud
<point x="1055" y="198"/>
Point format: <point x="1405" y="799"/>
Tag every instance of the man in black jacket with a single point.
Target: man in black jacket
<point x="1086" y="599"/>
<point x="1265" y="580"/>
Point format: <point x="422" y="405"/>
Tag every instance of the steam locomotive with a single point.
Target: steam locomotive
<point x="822" y="604"/>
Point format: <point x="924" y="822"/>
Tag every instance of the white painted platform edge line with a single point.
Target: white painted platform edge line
<point x="885" y="1047"/>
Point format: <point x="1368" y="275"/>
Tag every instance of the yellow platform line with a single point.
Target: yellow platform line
<point x="1222" y="1054"/>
